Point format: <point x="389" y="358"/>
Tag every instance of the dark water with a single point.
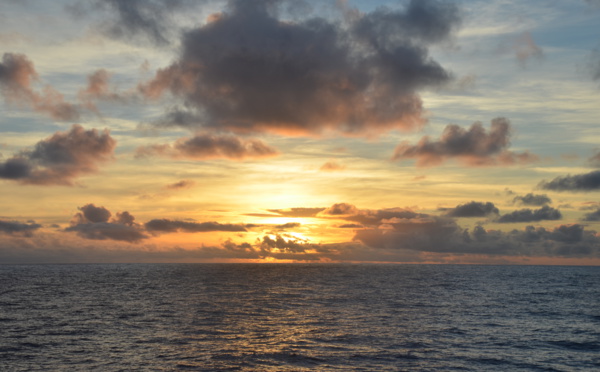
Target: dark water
<point x="299" y="317"/>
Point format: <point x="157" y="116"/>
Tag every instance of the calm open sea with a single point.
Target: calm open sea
<point x="254" y="317"/>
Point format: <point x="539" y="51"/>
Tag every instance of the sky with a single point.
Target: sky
<point x="461" y="132"/>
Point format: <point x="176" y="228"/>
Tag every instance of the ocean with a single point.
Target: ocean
<point x="299" y="317"/>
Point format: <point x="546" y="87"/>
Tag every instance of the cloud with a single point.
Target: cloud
<point x="18" y="228"/>
<point x="341" y="209"/>
<point x="289" y="225"/>
<point x="91" y="214"/>
<point x="95" y="223"/>
<point x="211" y="146"/>
<point x="168" y="226"/>
<point x="594" y="160"/>
<point x="332" y="166"/>
<point x="248" y="71"/>
<point x="592" y="216"/>
<point x="442" y="235"/>
<point x="350" y="226"/>
<point x="59" y="159"/>
<point x="525" y="49"/>
<point x="296" y="212"/>
<point x="532" y="199"/>
<point x="579" y="182"/>
<point x="134" y="20"/>
<point x="183" y="184"/>
<point x="529" y="215"/>
<point x="472" y="209"/>
<point x="98" y="88"/>
<point x="368" y="217"/>
<point x="473" y="147"/>
<point x="16" y="76"/>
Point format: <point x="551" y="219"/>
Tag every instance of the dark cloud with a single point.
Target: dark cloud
<point x="529" y="215"/>
<point x="442" y="235"/>
<point x="95" y="223"/>
<point x="532" y="199"/>
<point x="59" y="159"/>
<point x="168" y="226"/>
<point x="592" y="216"/>
<point x="472" y="209"/>
<point x="17" y="74"/>
<point x="474" y="147"/>
<point x="211" y="146"/>
<point x="248" y="71"/>
<point x="18" y="228"/>
<point x="108" y="231"/>
<point x="579" y="182"/>
<point x="350" y="226"/>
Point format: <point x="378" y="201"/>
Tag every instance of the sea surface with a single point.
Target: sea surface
<point x="296" y="317"/>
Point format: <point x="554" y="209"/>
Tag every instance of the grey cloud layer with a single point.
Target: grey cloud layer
<point x="248" y="71"/>
<point x="59" y="159"/>
<point x="531" y="215"/>
<point x="166" y="225"/>
<point x="18" y="228"/>
<point x="579" y="182"/>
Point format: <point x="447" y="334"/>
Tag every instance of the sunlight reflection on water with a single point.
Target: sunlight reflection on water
<point x="299" y="317"/>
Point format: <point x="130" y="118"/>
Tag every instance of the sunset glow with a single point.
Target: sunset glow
<point x="300" y="131"/>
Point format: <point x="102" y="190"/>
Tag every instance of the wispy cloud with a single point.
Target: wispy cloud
<point x="212" y="146"/>
<point x="17" y="74"/>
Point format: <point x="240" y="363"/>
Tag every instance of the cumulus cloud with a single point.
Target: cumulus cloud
<point x="249" y="71"/>
<point x="17" y="74"/>
<point x="211" y="146"/>
<point x="472" y="209"/>
<point x="532" y="199"/>
<point x="95" y="223"/>
<point x="18" y="228"/>
<point x="473" y="146"/>
<point x="579" y="182"/>
<point x="530" y="215"/>
<point x="60" y="158"/>
<point x="168" y="226"/>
